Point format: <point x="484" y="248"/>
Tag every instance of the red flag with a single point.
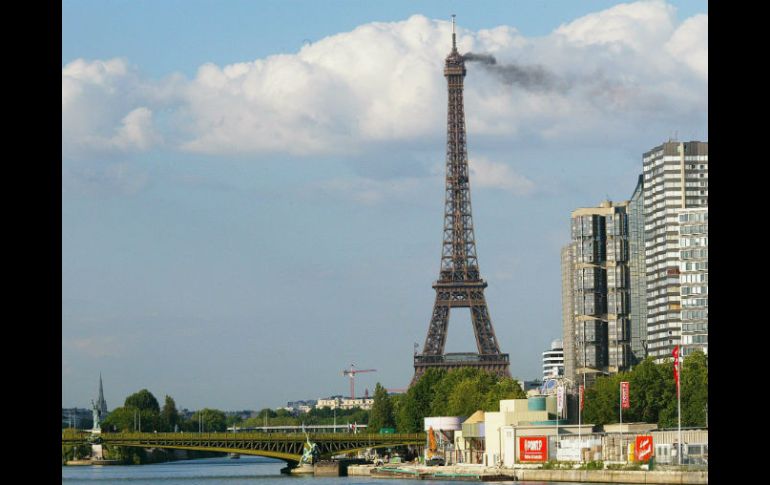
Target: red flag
<point x="625" y="399"/>
<point x="676" y="368"/>
<point x="581" y="397"/>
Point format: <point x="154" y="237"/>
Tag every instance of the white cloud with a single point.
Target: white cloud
<point x="690" y="44"/>
<point x="106" y="108"/>
<point x="637" y="25"/>
<point x="499" y="176"/>
<point x="382" y="83"/>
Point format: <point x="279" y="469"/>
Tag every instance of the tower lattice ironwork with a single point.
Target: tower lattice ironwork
<point x="459" y="284"/>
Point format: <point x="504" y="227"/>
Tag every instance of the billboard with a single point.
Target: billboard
<point x="533" y="448"/>
<point x="643" y="448"/>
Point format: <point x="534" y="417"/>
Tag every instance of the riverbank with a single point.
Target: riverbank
<point x="482" y="473"/>
<point x="90" y="462"/>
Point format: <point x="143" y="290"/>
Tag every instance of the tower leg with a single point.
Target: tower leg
<point x="437" y="331"/>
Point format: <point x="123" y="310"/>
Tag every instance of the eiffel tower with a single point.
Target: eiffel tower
<point x="459" y="284"/>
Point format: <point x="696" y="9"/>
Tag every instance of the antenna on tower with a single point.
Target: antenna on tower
<point x="454" y="43"/>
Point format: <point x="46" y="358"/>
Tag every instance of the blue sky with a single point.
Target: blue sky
<point x="252" y="191"/>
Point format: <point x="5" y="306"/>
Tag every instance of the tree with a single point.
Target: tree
<point x="447" y="385"/>
<point x="416" y="403"/>
<point x="169" y="415"/>
<point x="266" y="412"/>
<point x="505" y="388"/>
<point x="602" y="401"/>
<point x="143" y="400"/>
<point x="461" y="392"/>
<point x="234" y="419"/>
<point x="381" y="414"/>
<point x="466" y="398"/>
<point x="121" y="419"/>
<point x="695" y="391"/>
<point x="651" y="387"/>
<point x="213" y="420"/>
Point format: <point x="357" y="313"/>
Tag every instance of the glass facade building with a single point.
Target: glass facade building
<point x="595" y="273"/>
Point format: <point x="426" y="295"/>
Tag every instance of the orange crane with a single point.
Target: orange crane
<point x="352" y="373"/>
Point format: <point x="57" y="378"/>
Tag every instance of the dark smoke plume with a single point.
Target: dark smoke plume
<point x="533" y="77"/>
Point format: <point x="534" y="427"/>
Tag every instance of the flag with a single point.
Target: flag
<point x="676" y="368"/>
<point x="625" y="399"/>
<point x="581" y="397"/>
<point x="559" y="399"/>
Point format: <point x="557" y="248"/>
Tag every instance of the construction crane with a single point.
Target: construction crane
<point x="352" y="373"/>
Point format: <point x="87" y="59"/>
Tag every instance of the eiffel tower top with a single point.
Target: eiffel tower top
<point x="455" y="64"/>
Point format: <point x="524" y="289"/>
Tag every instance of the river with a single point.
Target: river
<point x="249" y="470"/>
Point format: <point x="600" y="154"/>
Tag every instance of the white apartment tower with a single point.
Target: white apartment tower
<point x="675" y="181"/>
<point x="694" y="278"/>
<point x="553" y="360"/>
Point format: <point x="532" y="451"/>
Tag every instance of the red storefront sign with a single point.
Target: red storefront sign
<point x="533" y="448"/>
<point x="643" y="448"/>
<point x="624" y="397"/>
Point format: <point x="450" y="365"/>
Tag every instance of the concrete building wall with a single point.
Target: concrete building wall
<point x="493" y="422"/>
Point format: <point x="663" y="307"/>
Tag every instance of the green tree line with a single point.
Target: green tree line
<point x="652" y="392"/>
<point x="142" y="409"/>
<point x="440" y="393"/>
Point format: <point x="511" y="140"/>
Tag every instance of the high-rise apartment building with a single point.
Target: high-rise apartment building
<point x="675" y="178"/>
<point x="694" y="278"/>
<point x="637" y="274"/>
<point x="597" y="336"/>
<point x="567" y="313"/>
<point x="553" y="360"/>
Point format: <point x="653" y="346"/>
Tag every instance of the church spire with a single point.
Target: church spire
<point x="101" y="404"/>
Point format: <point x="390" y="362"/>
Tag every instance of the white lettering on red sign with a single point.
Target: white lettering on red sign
<point x="533" y="445"/>
<point x="643" y="448"/>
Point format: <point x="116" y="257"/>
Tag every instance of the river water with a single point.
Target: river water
<point x="251" y="470"/>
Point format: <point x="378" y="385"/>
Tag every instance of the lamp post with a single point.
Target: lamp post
<point x="563" y="386"/>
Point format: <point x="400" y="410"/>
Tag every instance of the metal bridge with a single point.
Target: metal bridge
<point x="286" y="447"/>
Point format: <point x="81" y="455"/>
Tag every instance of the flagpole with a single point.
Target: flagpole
<point x="580" y="424"/>
<point x="679" y="409"/>
<point x="581" y="397"/>
<point x="621" y="420"/>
